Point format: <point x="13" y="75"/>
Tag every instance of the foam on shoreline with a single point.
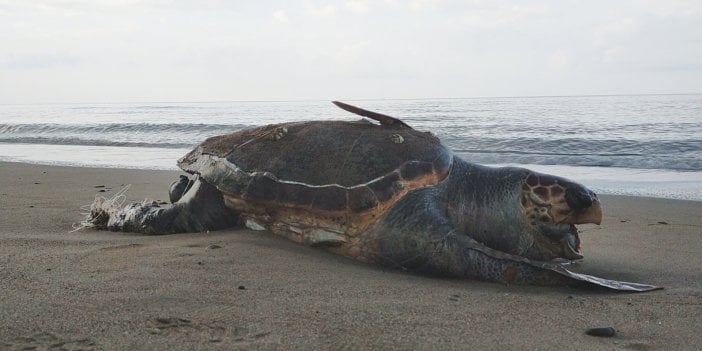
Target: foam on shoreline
<point x="683" y="185"/>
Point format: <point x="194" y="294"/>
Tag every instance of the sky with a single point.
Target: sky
<point x="210" y="50"/>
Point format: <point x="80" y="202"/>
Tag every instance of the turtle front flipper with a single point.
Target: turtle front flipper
<point x="446" y="252"/>
<point x="427" y="242"/>
<point x="607" y="283"/>
<point x="516" y="269"/>
<point x="456" y="255"/>
<point x="200" y="208"/>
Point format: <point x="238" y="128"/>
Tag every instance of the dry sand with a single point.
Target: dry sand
<point x="100" y="290"/>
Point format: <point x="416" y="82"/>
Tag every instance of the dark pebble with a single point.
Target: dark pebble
<point x="603" y="332"/>
<point x="241" y="287"/>
<point x="101" y="191"/>
<point x="99" y="186"/>
<point x="662" y="222"/>
<point x="213" y="246"/>
<point x="37" y="183"/>
<point x="200" y="263"/>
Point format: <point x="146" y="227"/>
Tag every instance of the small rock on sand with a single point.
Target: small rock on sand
<point x="601" y="331"/>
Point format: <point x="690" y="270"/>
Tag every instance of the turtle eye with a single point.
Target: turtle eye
<point x="579" y="198"/>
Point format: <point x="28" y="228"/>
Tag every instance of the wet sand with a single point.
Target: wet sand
<point x="100" y="290"/>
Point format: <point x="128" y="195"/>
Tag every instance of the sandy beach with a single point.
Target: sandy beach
<point x="94" y="290"/>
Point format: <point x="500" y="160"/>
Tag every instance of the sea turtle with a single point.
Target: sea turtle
<point x="379" y="192"/>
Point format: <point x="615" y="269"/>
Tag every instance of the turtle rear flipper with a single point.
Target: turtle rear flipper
<point x="201" y="208"/>
<point x="383" y="119"/>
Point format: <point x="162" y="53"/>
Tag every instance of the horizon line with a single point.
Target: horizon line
<point x="350" y="99"/>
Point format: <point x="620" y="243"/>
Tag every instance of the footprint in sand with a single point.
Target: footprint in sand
<point x="120" y="247"/>
<point x="168" y="326"/>
<point x="47" y="341"/>
<point x="210" y="331"/>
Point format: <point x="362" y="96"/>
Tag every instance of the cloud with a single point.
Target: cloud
<point x="281" y="16"/>
<point x="496" y="15"/>
<point x="412" y="5"/>
<point x="559" y="60"/>
<point x="349" y="54"/>
<point x="322" y="11"/>
<point x="37" y="61"/>
<point x="218" y="49"/>
<point x="422" y="5"/>
<point x="616" y="30"/>
<point x="358" y="6"/>
<point x="674" y="8"/>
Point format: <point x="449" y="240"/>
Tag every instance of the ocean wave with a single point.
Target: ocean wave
<point x="93" y="142"/>
<point x="151" y="135"/>
<point x="574" y="146"/>
<point x="138" y="107"/>
<point x="679" y="163"/>
<point x="30" y="128"/>
<point x="519" y="152"/>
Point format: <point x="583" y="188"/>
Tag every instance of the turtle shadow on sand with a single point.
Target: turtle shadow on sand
<point x="382" y="193"/>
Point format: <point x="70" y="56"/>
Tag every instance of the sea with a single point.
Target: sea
<point x="641" y="145"/>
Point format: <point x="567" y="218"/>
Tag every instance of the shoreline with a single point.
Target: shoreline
<point x="100" y="290"/>
<point x="648" y="183"/>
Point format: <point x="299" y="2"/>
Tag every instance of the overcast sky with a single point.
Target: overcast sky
<point x="209" y="50"/>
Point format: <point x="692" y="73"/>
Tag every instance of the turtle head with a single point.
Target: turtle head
<point x="552" y="206"/>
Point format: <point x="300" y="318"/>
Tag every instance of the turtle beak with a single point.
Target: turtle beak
<point x="592" y="214"/>
<point x="585" y="205"/>
<point x="586" y="208"/>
